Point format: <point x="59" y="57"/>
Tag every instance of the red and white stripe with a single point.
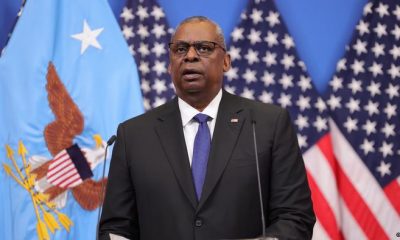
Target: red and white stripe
<point x="62" y="171"/>
<point x="348" y="201"/>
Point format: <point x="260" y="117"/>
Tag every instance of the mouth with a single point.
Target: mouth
<point x="191" y="74"/>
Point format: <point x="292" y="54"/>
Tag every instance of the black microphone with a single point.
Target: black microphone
<point x="253" y="125"/>
<point x="264" y="235"/>
<point x="109" y="143"/>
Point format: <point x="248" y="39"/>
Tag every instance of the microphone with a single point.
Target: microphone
<point x="110" y="142"/>
<point x="253" y="125"/>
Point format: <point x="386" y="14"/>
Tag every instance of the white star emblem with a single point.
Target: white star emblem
<point x="320" y="124"/>
<point x="232" y="73"/>
<point x="287" y="61"/>
<point x="144" y="49"/>
<point x="396" y="32"/>
<point x="360" y="47"/>
<point x="303" y="102"/>
<point x="392" y="90"/>
<point x="390" y="110"/>
<point x="397" y="12"/>
<point x="145" y="86"/>
<point x="301" y="122"/>
<point x="384" y="168"/>
<point x="256" y="16"/>
<point x="250" y="76"/>
<point x="386" y="149"/>
<point x="251" y="56"/>
<point x="288" y="42"/>
<point x="372" y="107"/>
<point x="302" y="141"/>
<point x="159" y="67"/>
<point x="235" y="53"/>
<point x="355" y="86"/>
<point x="388" y="130"/>
<point x="159" y="101"/>
<point x="237" y="34"/>
<point x="142" y="31"/>
<point x="142" y="12"/>
<point x="369" y="127"/>
<point x="367" y="8"/>
<point x="247" y="93"/>
<point x="157" y="13"/>
<point x="271" y="39"/>
<point x="373" y="88"/>
<point x="304" y="83"/>
<point x="382" y="10"/>
<point x="273" y="18"/>
<point x="266" y="97"/>
<point x="320" y="105"/>
<point x="286" y="81"/>
<point x="268" y="78"/>
<point x="88" y="37"/>
<point x="336" y="83"/>
<point x="159" y="49"/>
<point x="362" y="27"/>
<point x="395" y="52"/>
<point x="254" y="36"/>
<point x="159" y="86"/>
<point x="380" y="30"/>
<point x="357" y="66"/>
<point x="378" y="49"/>
<point x="353" y="105"/>
<point x="341" y="65"/>
<point x="285" y="100"/>
<point x="334" y="102"/>
<point x="144" y="67"/>
<point x="127" y="32"/>
<point x="158" y="30"/>
<point x="351" y="124"/>
<point x="269" y="58"/>
<point x="127" y="14"/>
<point x="367" y="146"/>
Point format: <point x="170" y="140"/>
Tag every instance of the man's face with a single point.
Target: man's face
<point x="198" y="78"/>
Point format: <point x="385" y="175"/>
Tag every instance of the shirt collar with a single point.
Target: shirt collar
<point x="188" y="112"/>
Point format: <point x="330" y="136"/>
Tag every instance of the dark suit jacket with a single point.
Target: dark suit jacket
<point x="150" y="192"/>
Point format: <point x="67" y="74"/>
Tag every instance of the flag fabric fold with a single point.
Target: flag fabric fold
<point x="364" y="101"/>
<point x="266" y="67"/>
<point x="147" y="33"/>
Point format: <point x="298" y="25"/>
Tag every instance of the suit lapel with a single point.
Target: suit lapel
<point x="170" y="133"/>
<point x="227" y="129"/>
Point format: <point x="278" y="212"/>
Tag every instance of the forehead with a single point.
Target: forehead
<point x="196" y="31"/>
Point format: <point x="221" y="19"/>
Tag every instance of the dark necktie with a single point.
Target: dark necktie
<point x="201" y="149"/>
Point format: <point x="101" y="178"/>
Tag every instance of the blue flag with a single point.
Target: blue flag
<point x="66" y="80"/>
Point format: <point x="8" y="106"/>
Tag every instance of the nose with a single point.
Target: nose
<point x="191" y="55"/>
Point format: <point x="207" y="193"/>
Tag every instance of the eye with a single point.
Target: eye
<point x="204" y="47"/>
<point x="181" y="48"/>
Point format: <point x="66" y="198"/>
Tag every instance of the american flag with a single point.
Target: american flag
<point x="266" y="68"/>
<point x="146" y="31"/>
<point x="364" y="100"/>
<point x="69" y="168"/>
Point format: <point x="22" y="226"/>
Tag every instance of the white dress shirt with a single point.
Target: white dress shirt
<point x="190" y="125"/>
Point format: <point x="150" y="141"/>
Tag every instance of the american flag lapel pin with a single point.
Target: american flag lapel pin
<point x="234" y="120"/>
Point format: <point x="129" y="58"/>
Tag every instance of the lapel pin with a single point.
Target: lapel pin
<point x="234" y="120"/>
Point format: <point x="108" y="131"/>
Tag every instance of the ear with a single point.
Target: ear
<point x="227" y="62"/>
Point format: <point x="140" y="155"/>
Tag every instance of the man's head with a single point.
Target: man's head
<point x="198" y="60"/>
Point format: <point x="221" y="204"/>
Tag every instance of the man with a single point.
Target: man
<point x="177" y="174"/>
